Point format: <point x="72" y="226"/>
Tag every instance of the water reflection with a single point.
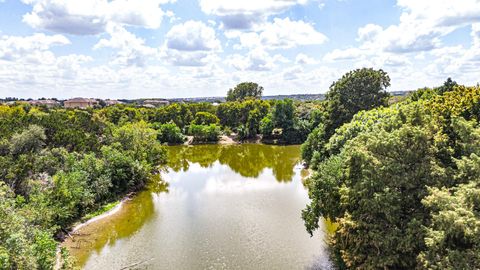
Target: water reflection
<point x="225" y="207"/>
<point x="246" y="160"/>
<point x="133" y="214"/>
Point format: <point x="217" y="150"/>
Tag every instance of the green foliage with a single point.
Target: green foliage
<point x="361" y="89"/>
<point x="202" y="133"/>
<point x="402" y="183"/>
<point x="139" y="141"/>
<point x="423" y="93"/>
<point x="290" y="129"/>
<point x="245" y="90"/>
<point x="70" y="196"/>
<point x="29" y="141"/>
<point x="205" y="118"/>
<point x="234" y="114"/>
<point x="448" y="85"/>
<point x="266" y="126"/>
<point x="314" y="144"/>
<point x="283" y="114"/>
<point x="23" y="245"/>
<point x="170" y="133"/>
<point x="64" y="165"/>
<point x="453" y="237"/>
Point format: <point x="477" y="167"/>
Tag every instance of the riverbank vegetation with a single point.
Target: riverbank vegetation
<point x="401" y="181"/>
<point x="58" y="166"/>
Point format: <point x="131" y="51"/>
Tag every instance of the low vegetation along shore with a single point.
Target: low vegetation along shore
<point x="400" y="178"/>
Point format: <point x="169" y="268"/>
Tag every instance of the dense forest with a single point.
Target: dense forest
<point x="399" y="178"/>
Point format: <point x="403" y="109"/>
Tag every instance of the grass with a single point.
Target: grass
<point x="103" y="209"/>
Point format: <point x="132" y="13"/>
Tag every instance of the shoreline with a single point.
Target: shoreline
<point x="76" y="228"/>
<point x="101" y="216"/>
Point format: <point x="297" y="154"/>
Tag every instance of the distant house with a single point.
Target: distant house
<point x="111" y="102"/>
<point x="148" y="106"/>
<point x="81" y="103"/>
<point x="50" y="103"/>
<point x="156" y="102"/>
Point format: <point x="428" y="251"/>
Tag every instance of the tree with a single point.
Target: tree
<point x="205" y="118"/>
<point x="245" y="90"/>
<point x="447" y="86"/>
<point x="170" y="133"/>
<point x="453" y="237"/>
<point x="402" y="184"/>
<point x="361" y="89"/>
<point x="29" y="141"/>
<point x="266" y="126"/>
<point x="202" y="133"/>
<point x="283" y="114"/>
<point x="140" y="142"/>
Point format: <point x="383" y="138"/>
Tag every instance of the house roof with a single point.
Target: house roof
<point x="155" y="101"/>
<point x="81" y="100"/>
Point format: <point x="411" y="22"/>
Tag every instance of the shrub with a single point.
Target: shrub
<point x="205" y="118"/>
<point x="170" y="133"/>
<point x="202" y="133"/>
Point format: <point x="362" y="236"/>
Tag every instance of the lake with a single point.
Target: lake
<point x="215" y="207"/>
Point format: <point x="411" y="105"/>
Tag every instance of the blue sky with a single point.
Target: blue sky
<point x="186" y="48"/>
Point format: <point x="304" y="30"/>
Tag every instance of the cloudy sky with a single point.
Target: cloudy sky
<point x="188" y="48"/>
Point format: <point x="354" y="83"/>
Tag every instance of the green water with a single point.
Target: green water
<point x="225" y="207"/>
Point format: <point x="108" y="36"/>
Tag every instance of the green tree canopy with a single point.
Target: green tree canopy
<point x="357" y="90"/>
<point x="402" y="185"/>
<point x="205" y="118"/>
<point x="245" y="90"/>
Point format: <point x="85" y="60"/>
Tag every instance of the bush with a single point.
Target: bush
<point x="170" y="133"/>
<point x="29" y="141"/>
<point x="205" y="118"/>
<point x="202" y="133"/>
<point x="266" y="127"/>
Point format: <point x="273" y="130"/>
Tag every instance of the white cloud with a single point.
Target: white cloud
<point x="192" y="43"/>
<point x="292" y="73"/>
<point x="303" y="59"/>
<point x="369" y="32"/>
<point x="422" y="25"/>
<point x="192" y="36"/>
<point x="131" y="49"/>
<point x="256" y="60"/>
<point x="280" y="34"/>
<point x="32" y="48"/>
<point x="475" y="34"/>
<point x="346" y="54"/>
<point x="90" y="17"/>
<point x="246" y="14"/>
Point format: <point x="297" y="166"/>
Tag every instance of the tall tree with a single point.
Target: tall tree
<point x="245" y="90"/>
<point x="447" y="86"/>
<point x="357" y="90"/>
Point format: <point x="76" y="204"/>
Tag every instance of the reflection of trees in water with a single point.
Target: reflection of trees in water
<point x="248" y="160"/>
<point x="124" y="223"/>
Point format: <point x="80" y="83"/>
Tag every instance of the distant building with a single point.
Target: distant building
<point x="50" y="103"/>
<point x="111" y="102"/>
<point x="156" y="102"/>
<point x="81" y="103"/>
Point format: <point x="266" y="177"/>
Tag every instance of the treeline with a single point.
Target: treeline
<point x="402" y="182"/>
<point x="58" y="165"/>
